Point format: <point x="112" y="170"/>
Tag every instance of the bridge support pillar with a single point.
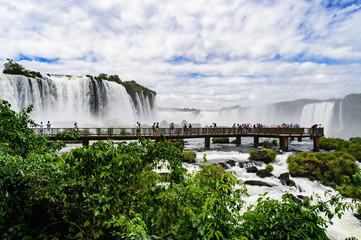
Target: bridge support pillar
<point x="255" y="141"/>
<point x="316" y="144"/>
<point x="300" y="139"/>
<point x="284" y="144"/>
<point x="238" y="140"/>
<point x="292" y="138"/>
<point x="85" y="142"/>
<point x="207" y="142"/>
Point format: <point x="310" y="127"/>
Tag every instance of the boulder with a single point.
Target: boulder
<point x="285" y="179"/>
<point x="245" y="164"/>
<point x="263" y="173"/>
<point x="252" y="169"/>
<point x="258" y="183"/>
<point x="265" y="155"/>
<point x="232" y="163"/>
<point x="224" y="165"/>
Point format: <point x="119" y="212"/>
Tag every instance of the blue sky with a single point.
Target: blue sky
<point x="195" y="54"/>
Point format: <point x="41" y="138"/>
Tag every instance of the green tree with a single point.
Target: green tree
<point x="12" y="67"/>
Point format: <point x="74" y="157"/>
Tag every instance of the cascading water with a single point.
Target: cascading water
<point x="343" y="228"/>
<point x="66" y="99"/>
<point x="317" y="113"/>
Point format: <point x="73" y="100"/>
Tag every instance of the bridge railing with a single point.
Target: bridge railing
<point x="180" y="131"/>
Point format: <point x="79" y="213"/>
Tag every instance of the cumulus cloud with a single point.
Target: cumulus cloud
<point x="202" y="54"/>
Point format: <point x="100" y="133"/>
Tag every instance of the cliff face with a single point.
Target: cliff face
<point x="139" y="93"/>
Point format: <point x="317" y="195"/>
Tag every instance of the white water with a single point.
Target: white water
<point x="320" y="113"/>
<point x="62" y="100"/>
<point x="345" y="227"/>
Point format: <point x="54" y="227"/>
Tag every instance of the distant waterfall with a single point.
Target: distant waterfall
<point x="66" y="99"/>
<point x="318" y="113"/>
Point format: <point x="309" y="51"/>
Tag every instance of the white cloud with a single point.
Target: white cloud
<point x="239" y="52"/>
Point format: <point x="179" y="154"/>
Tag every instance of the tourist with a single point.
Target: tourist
<point x="153" y="128"/>
<point x="157" y="128"/>
<point x="138" y="128"/>
<point x="190" y="129"/>
<point x="76" y="126"/>
<point x="171" y="126"/>
<point x="184" y="128"/>
<point x="41" y="128"/>
<point x="48" y="126"/>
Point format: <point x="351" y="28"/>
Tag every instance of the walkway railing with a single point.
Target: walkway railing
<point x="146" y="132"/>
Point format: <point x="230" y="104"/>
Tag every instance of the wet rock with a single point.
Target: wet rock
<point x="263" y="173"/>
<point x="258" y="183"/>
<point x="245" y="164"/>
<point x="232" y="163"/>
<point x="252" y="169"/>
<point x="285" y="179"/>
<point x="224" y="165"/>
<point x="358" y="216"/>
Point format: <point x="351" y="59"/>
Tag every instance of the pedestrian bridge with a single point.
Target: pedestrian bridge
<point x="284" y="134"/>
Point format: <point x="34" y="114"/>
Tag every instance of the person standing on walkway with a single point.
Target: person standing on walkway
<point x="138" y="128"/>
<point x="157" y="128"/>
<point x="76" y="126"/>
<point x="48" y="127"/>
<point x="41" y="128"/>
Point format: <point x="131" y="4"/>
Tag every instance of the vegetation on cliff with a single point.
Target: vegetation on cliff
<point x="12" y="67"/>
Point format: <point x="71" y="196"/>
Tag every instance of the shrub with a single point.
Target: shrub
<point x="329" y="168"/>
<point x="189" y="156"/>
<point x="266" y="144"/>
<point x="220" y="140"/>
<point x="280" y="224"/>
<point x="269" y="168"/>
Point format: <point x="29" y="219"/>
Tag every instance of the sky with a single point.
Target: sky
<point x="204" y="54"/>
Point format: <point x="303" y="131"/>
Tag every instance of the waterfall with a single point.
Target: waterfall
<point x="66" y="99"/>
<point x="320" y="113"/>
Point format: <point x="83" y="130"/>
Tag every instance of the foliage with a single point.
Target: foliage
<point x="12" y="67"/>
<point x="189" y="156"/>
<point x="269" y="168"/>
<point x="220" y="140"/>
<point x="352" y="147"/>
<point x="274" y="142"/>
<point x="16" y="138"/>
<point x="112" y="78"/>
<point x="266" y="144"/>
<point x="72" y="135"/>
<point x="134" y="88"/>
<point x="266" y="155"/>
<point x="356" y="140"/>
<point x="328" y="168"/>
<point x="271" y="219"/>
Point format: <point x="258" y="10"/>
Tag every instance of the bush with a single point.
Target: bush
<point x="189" y="156"/>
<point x="280" y="224"/>
<point x="329" y="168"/>
<point x="267" y="144"/>
<point x="265" y="155"/>
<point x="269" y="168"/>
<point x="220" y="140"/>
